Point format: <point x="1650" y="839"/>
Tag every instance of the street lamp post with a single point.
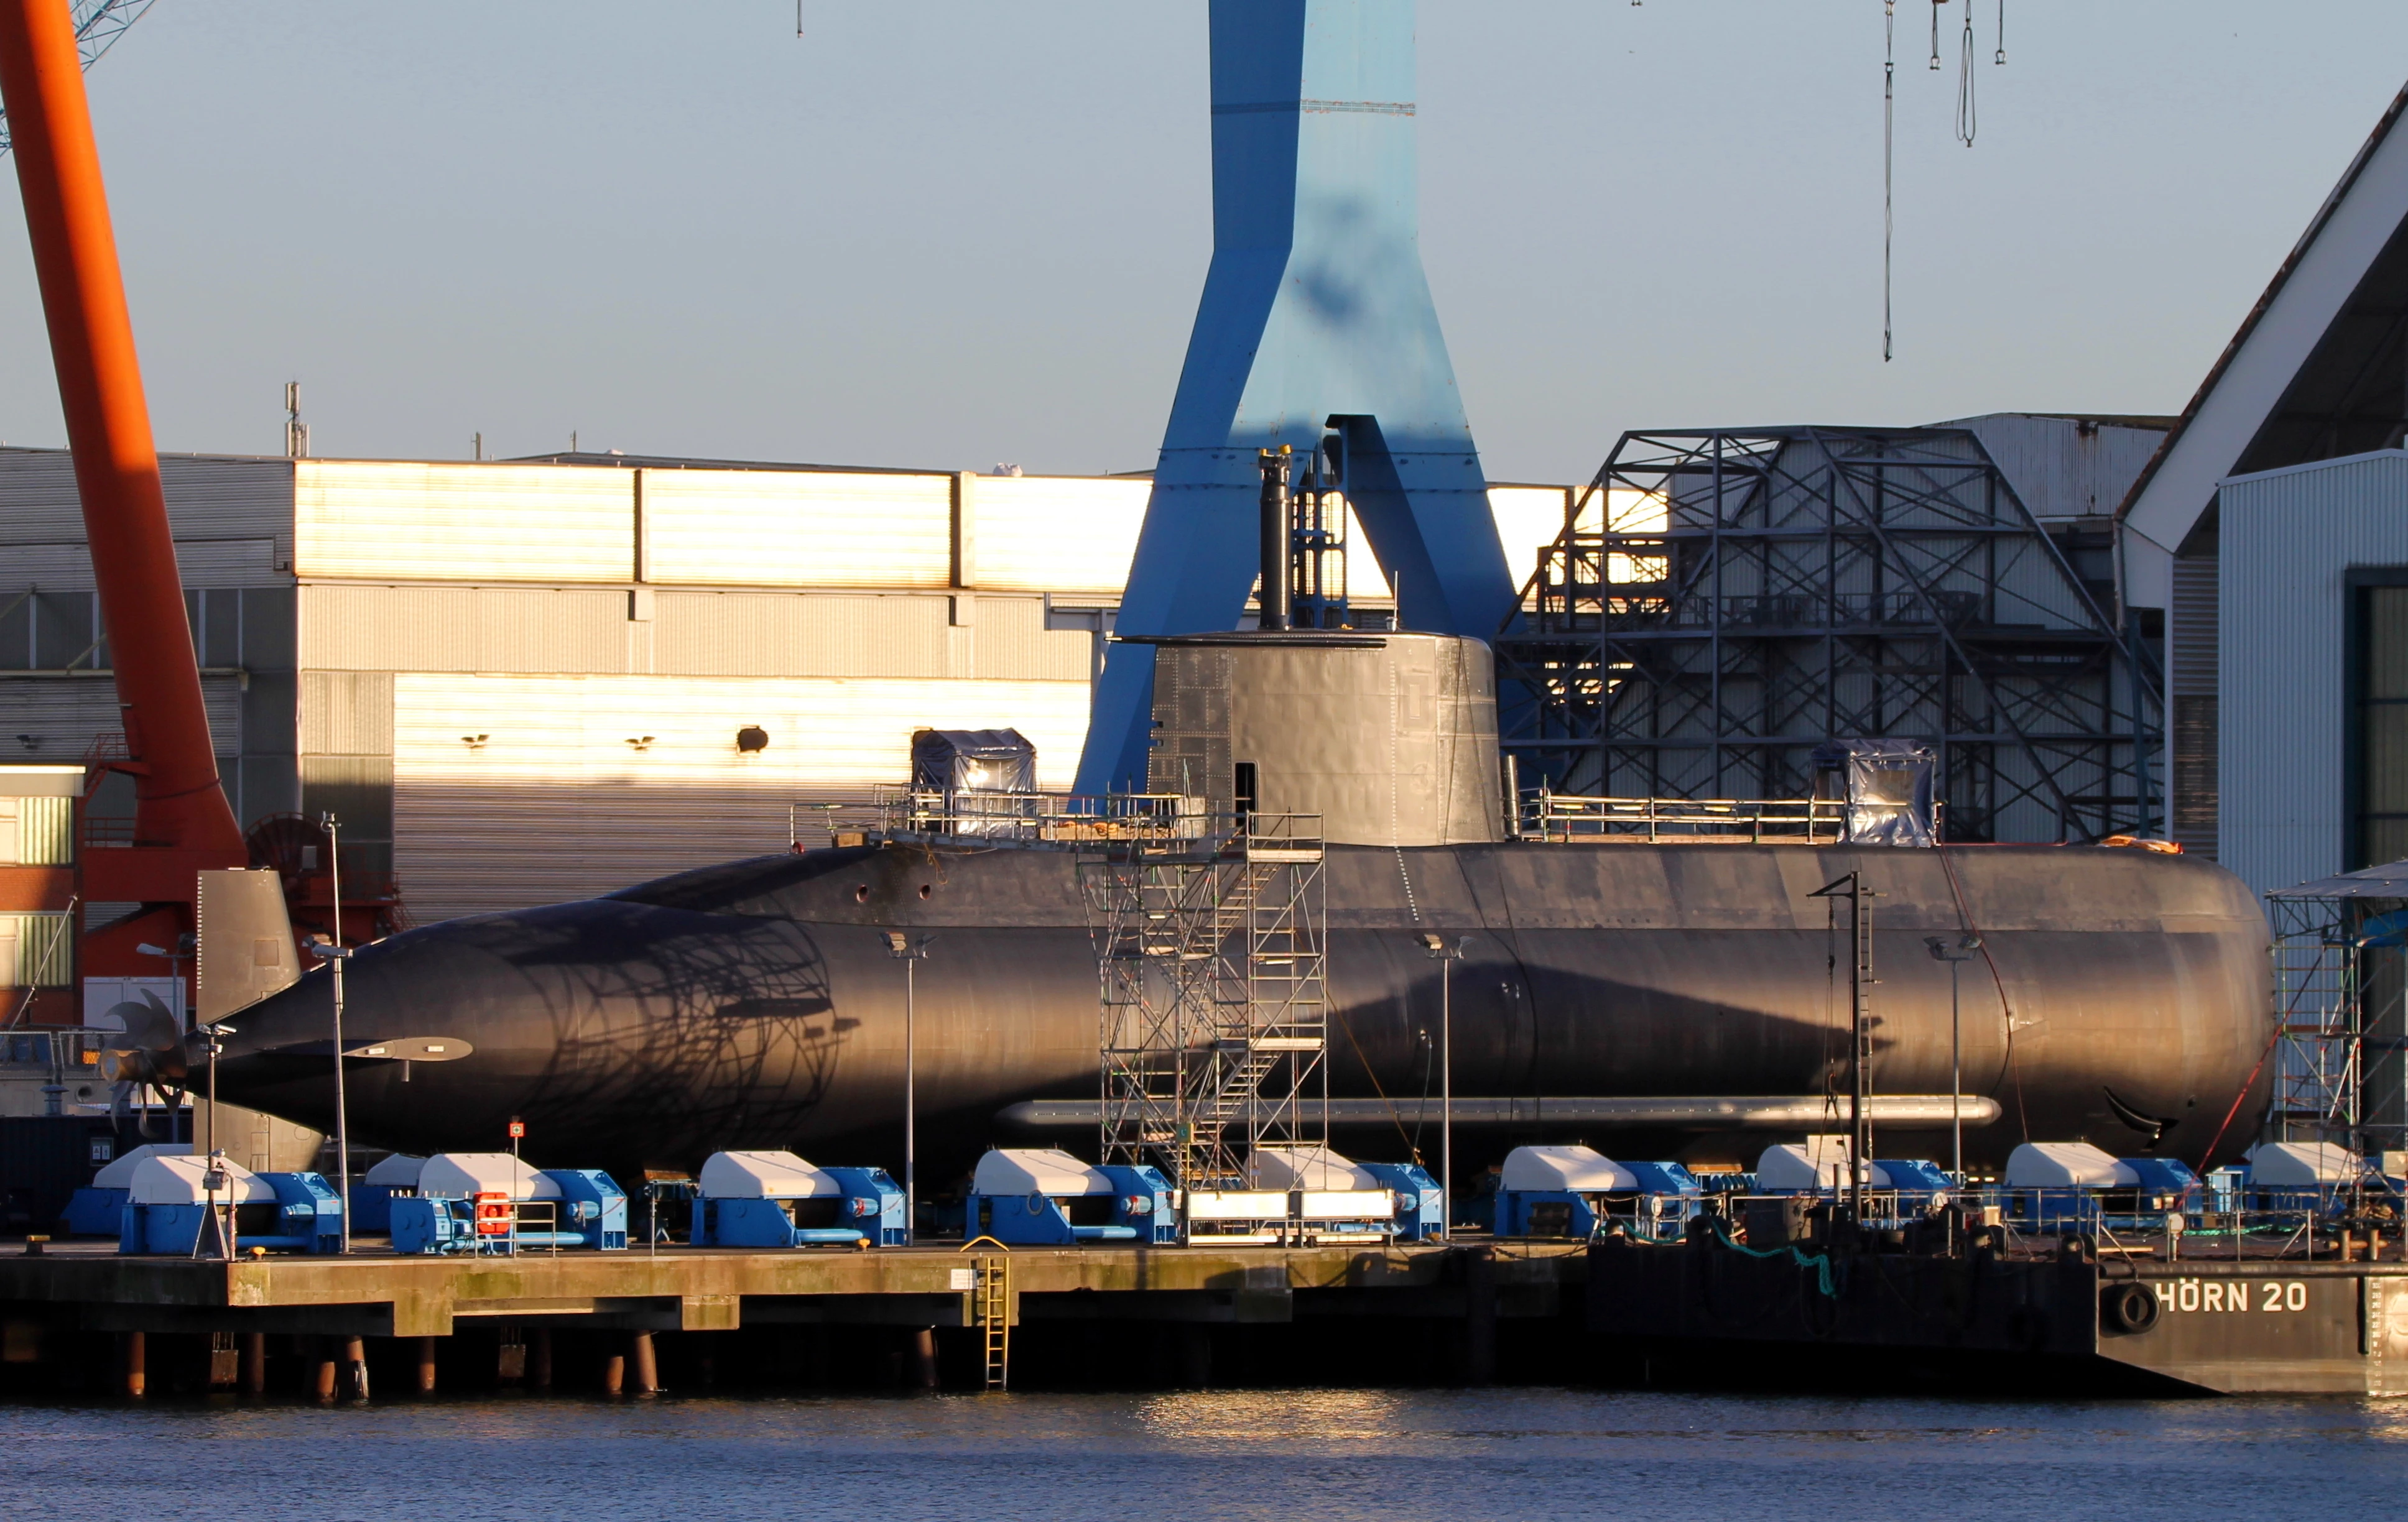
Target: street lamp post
<point x="1446" y="956"/>
<point x="1966" y="947"/>
<point x="910" y="953"/>
<point x="335" y="954"/>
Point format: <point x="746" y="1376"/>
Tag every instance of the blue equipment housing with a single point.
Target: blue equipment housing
<point x="98" y="1209"/>
<point x="373" y="1192"/>
<point x="2317" y="1178"/>
<point x="1575" y="1191"/>
<point x="490" y="1203"/>
<point x="167" y="1209"/>
<point x="1042" y="1197"/>
<point x="2072" y="1186"/>
<point x="777" y="1200"/>
<point x="1421" y="1204"/>
<point x="1913" y="1176"/>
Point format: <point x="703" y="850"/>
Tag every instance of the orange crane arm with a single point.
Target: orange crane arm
<point x="179" y="803"/>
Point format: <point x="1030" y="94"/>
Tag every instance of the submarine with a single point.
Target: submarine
<point x="1679" y="999"/>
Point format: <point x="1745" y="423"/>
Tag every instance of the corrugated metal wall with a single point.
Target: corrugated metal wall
<point x="2288" y="541"/>
<point x="1068" y="535"/>
<point x="768" y="528"/>
<point x="2064" y="467"/>
<point x="64" y="714"/>
<point x="209" y="497"/>
<point x="502" y="629"/>
<point x="513" y="790"/>
<point x="1528" y="518"/>
<point x="456" y="522"/>
<point x="2192" y="635"/>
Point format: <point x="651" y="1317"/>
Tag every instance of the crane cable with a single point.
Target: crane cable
<point x="1966" y="116"/>
<point x="1889" y="154"/>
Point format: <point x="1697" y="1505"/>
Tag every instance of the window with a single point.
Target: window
<point x="37" y="950"/>
<point x="2378" y="828"/>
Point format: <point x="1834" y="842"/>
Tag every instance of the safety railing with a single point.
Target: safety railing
<point x="1549" y="816"/>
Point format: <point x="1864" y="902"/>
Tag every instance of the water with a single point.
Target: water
<point x="1396" y="1457"/>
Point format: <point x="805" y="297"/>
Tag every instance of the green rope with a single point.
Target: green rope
<point x="1819" y="1262"/>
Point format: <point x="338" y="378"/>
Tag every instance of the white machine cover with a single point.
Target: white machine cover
<point x="166" y="1180"/>
<point x="1037" y="1171"/>
<point x="2301" y="1163"/>
<point x="1305" y="1168"/>
<point x="2061" y="1165"/>
<point x="1821" y="1163"/>
<point x="398" y="1171"/>
<point x="1565" y="1170"/>
<point x="119" y="1174"/>
<point x="763" y="1175"/>
<point x="456" y="1175"/>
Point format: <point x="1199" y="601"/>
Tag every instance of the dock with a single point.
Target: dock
<point x="79" y="1319"/>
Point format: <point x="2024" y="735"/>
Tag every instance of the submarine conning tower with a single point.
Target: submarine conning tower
<point x="1389" y="737"/>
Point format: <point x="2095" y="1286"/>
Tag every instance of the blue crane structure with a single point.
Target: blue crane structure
<point x="1316" y="331"/>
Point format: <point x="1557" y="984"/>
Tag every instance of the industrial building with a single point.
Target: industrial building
<point x="2272" y="773"/>
<point x="1725" y="603"/>
<point x="517" y="683"/>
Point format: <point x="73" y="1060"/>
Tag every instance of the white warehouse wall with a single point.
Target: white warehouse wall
<point x="2289" y="540"/>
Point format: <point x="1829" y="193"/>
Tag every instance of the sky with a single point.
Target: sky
<point x="952" y="234"/>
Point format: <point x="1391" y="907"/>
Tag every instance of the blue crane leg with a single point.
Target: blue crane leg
<point x="1315" y="315"/>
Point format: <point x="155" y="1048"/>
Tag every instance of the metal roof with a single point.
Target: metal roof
<point x="2390" y="881"/>
<point x="2213" y="448"/>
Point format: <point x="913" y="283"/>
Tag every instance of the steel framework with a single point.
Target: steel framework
<point x="1213" y="955"/>
<point x="2340" y="1068"/>
<point x="1721" y="603"/>
<point x="99" y="24"/>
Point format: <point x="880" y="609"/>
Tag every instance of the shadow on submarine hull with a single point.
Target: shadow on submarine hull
<point x="754" y="1003"/>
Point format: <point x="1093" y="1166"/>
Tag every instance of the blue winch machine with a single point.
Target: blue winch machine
<point x="2308" y="1177"/>
<point x="1046" y="1197"/>
<point x="777" y="1200"/>
<point x="168" y="1200"/>
<point x="1902" y="1187"/>
<point x="1573" y="1192"/>
<point x="373" y="1192"/>
<point x="2073" y="1185"/>
<point x="492" y="1202"/>
<point x="98" y="1209"/>
<point x="1334" y="1197"/>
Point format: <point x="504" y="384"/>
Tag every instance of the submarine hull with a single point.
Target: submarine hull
<point x="2119" y="996"/>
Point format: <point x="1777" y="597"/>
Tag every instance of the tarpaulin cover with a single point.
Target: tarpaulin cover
<point x="1888" y="790"/>
<point x="973" y="760"/>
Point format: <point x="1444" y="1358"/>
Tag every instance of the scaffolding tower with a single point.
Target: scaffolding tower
<point x="2341" y="964"/>
<point x="1719" y="603"/>
<point x="1212" y="948"/>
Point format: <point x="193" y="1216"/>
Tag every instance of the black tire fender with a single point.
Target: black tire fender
<point x="2129" y="1307"/>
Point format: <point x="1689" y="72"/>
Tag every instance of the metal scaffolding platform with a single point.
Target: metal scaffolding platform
<point x="1212" y="956"/>
<point x="2340" y="1066"/>
<point x="1720" y="604"/>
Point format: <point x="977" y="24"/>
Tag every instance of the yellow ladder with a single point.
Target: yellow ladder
<point x="994" y="1312"/>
